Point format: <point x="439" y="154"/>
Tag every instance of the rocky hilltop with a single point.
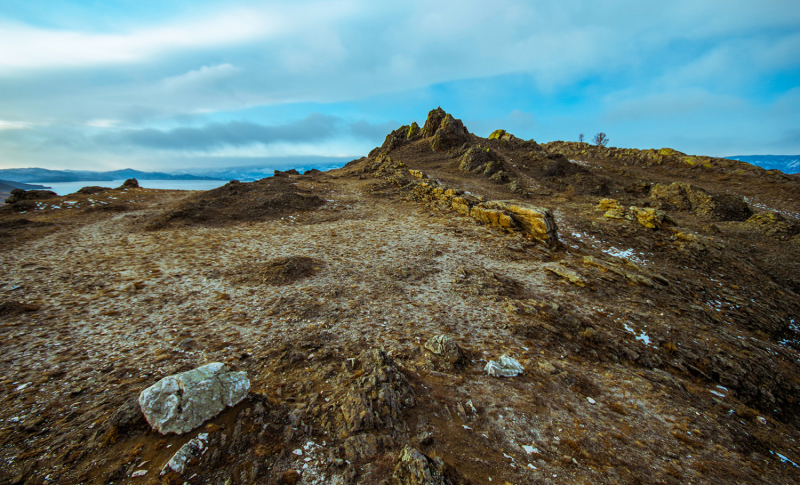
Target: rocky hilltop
<point x="449" y="309"/>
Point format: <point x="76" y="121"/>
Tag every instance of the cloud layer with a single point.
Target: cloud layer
<point x="206" y="76"/>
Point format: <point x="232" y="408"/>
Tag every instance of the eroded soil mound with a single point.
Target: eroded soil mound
<point x="279" y="271"/>
<point x="234" y="202"/>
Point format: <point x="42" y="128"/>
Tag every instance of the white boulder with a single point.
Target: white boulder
<point x="505" y="366"/>
<point x="181" y="402"/>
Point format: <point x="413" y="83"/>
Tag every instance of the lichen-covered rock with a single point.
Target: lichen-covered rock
<point x="446" y="131"/>
<point x="493" y="214"/>
<point x="612" y="208"/>
<point x="181" y="402"/>
<point x="376" y="399"/>
<point x="413" y="131"/>
<point x="774" y="224"/>
<point x="414" y="468"/>
<point x="505" y="366"/>
<point x="687" y="197"/>
<point x="503" y="135"/>
<point x="565" y="273"/>
<point x="649" y="218"/>
<point x="447" y="348"/>
<point x="536" y="221"/>
<point x="500" y="177"/>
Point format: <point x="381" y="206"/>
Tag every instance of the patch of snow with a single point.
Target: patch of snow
<point x="717" y="393"/>
<point x="784" y="459"/>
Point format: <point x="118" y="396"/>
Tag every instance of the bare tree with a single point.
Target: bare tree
<point x="580" y="138"/>
<point x="601" y="139"/>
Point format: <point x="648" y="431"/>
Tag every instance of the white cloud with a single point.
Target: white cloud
<point x="14" y="125"/>
<point x="200" y="78"/>
<point x="28" y="47"/>
<point x="102" y="123"/>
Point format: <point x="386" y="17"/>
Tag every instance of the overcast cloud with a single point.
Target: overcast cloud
<point x="90" y="87"/>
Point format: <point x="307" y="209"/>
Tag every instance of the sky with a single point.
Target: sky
<point x="181" y="85"/>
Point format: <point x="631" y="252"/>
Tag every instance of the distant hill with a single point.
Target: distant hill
<point x="8" y="186"/>
<point x="53" y="176"/>
<point x="784" y="163"/>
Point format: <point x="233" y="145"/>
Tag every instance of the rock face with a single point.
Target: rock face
<point x="186" y="452"/>
<point x="414" y="468"/>
<point x="375" y="400"/>
<point x="646" y="217"/>
<point x="181" y="402"/>
<point x="774" y="224"/>
<point x="687" y="197"/>
<point x="446" y="131"/>
<point x="92" y="189"/>
<point x="129" y="184"/>
<point x="536" y="221"/>
<point x="18" y="195"/>
<point x="447" y="348"/>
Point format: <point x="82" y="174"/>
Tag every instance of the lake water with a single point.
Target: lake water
<point x="64" y="188"/>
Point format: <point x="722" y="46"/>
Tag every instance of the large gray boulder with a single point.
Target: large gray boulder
<point x="181" y="402"/>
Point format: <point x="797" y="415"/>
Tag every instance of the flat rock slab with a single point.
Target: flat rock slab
<point x="181" y="402"/>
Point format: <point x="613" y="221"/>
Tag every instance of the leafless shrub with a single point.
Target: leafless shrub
<point x="601" y="139"/>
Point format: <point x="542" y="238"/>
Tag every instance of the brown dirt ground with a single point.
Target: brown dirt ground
<point x="691" y="380"/>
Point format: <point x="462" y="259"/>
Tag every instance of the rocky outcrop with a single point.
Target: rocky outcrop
<point x="414" y="468"/>
<point x="505" y="366"/>
<point x="774" y="224"/>
<point x="535" y="221"/>
<point x="503" y="135"/>
<point x="18" y="195"/>
<point x="687" y="197"/>
<point x="447" y="348"/>
<point x="181" y="402"/>
<point x="191" y="449"/>
<point x="646" y="217"/>
<point x="446" y="132"/>
<point x="129" y="184"/>
<point x="375" y="399"/>
<point x="481" y="160"/>
<point x="92" y="189"/>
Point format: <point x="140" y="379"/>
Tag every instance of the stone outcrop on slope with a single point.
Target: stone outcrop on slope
<point x="688" y="197"/>
<point x="181" y="402"/>
<point x="447" y="132"/>
<point x="537" y="222"/>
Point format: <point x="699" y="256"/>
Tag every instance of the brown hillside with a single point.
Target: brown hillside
<point x="651" y="297"/>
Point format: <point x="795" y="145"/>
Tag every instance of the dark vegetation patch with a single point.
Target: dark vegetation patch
<point x="265" y="199"/>
<point x="279" y="271"/>
<point x="14" y="308"/>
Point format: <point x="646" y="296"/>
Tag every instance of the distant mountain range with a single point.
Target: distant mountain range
<point x="42" y="175"/>
<point x="21" y="176"/>
<point x="265" y="168"/>
<point x="8" y="186"/>
<point x="784" y="163"/>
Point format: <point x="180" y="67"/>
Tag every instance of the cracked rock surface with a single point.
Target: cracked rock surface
<point x="181" y="402"/>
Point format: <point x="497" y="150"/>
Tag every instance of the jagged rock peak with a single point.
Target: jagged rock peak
<point x="447" y="131"/>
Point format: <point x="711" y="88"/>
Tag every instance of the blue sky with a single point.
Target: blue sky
<point x="175" y="85"/>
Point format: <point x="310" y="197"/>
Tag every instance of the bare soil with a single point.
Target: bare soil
<point x="690" y="378"/>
